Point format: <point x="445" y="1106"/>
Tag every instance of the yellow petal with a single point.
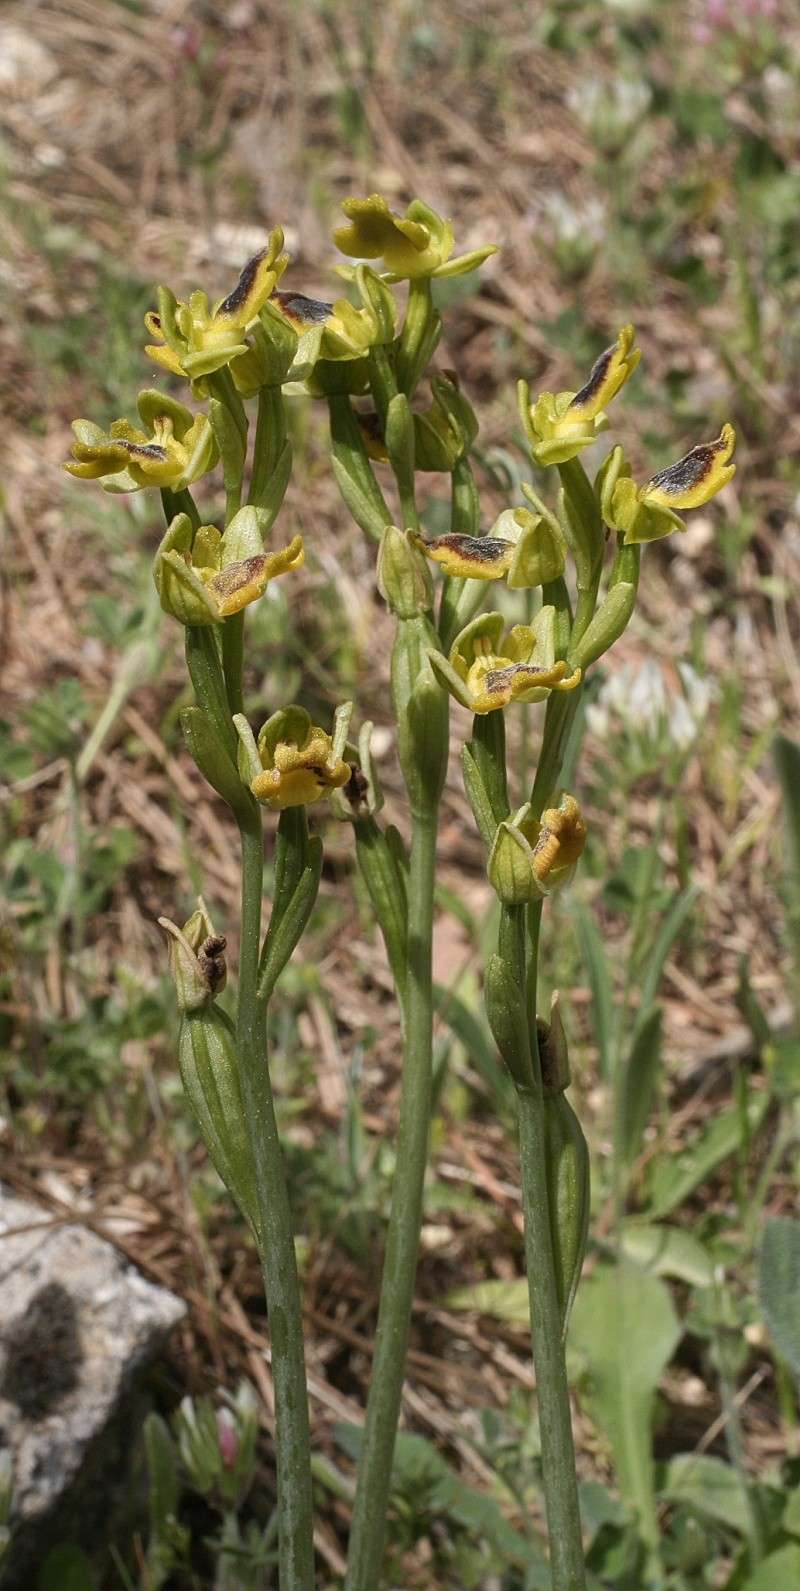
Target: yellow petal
<point x="255" y="285"/>
<point x="608" y="374"/>
<point x="695" y="478"/>
<point x="469" y="557"/>
<point x="165" y="357"/>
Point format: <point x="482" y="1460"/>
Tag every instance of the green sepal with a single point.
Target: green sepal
<point x="353" y="471"/>
<point x="181" y="592"/>
<point x="449" y="680"/>
<point x="167" y="305"/>
<point x="510" y="872"/>
<point x="213" y="760"/>
<point x="192" y="986"/>
<point x="275" y="342"/>
<point x="540" y="555"/>
<point x="377" y="297"/>
<point x="403" y="575"/>
<point x="154" y="405"/>
<point x="291" y="724"/>
<point x="382" y="872"/>
<point x="292" y="920"/>
<point x="209" y="1070"/>
<point x="245" y="535"/>
<point x="248" y="761"/>
<point x="506" y="1011"/>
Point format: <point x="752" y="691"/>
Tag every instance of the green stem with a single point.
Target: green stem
<point x="275" y="1240"/>
<point x="368" y="1532"/>
<point x="233" y="661"/>
<point x="179" y="503"/>
<point x="558" y="1454"/>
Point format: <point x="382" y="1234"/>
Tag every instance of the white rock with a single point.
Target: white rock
<point x="77" y="1323"/>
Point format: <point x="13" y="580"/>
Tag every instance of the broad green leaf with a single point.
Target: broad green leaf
<point x="626" y="1328"/>
<point x="602" y="989"/>
<point x="674" y="1177"/>
<point x="708" y="1487"/>
<point x="636" y="1085"/>
<point x="779" y="1572"/>
<point x="504" y="1300"/>
<point x="668" y="1251"/>
<point x="779" y="1285"/>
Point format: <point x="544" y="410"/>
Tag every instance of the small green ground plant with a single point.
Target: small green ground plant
<point x="395" y="421"/>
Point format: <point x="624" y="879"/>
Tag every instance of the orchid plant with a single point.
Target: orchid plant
<point x="370" y="361"/>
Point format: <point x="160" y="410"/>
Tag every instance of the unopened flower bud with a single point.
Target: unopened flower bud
<point x="196" y="959"/>
<point x="404" y="580"/>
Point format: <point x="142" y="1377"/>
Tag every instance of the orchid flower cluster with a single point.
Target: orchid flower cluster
<point x="367" y="356"/>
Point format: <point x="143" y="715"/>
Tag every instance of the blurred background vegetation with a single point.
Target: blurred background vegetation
<point x="636" y="160"/>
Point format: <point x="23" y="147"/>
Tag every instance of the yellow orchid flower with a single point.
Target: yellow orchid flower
<point x="192" y="339"/>
<point x="486" y="671"/>
<point x="527" y="549"/>
<point x="412" y="246"/>
<point x="560" y="424"/>
<point x="646" y="513"/>
<point x="300" y="763"/>
<point x="173" y="450"/>
<point x="203" y="577"/>
<point x="532" y="857"/>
